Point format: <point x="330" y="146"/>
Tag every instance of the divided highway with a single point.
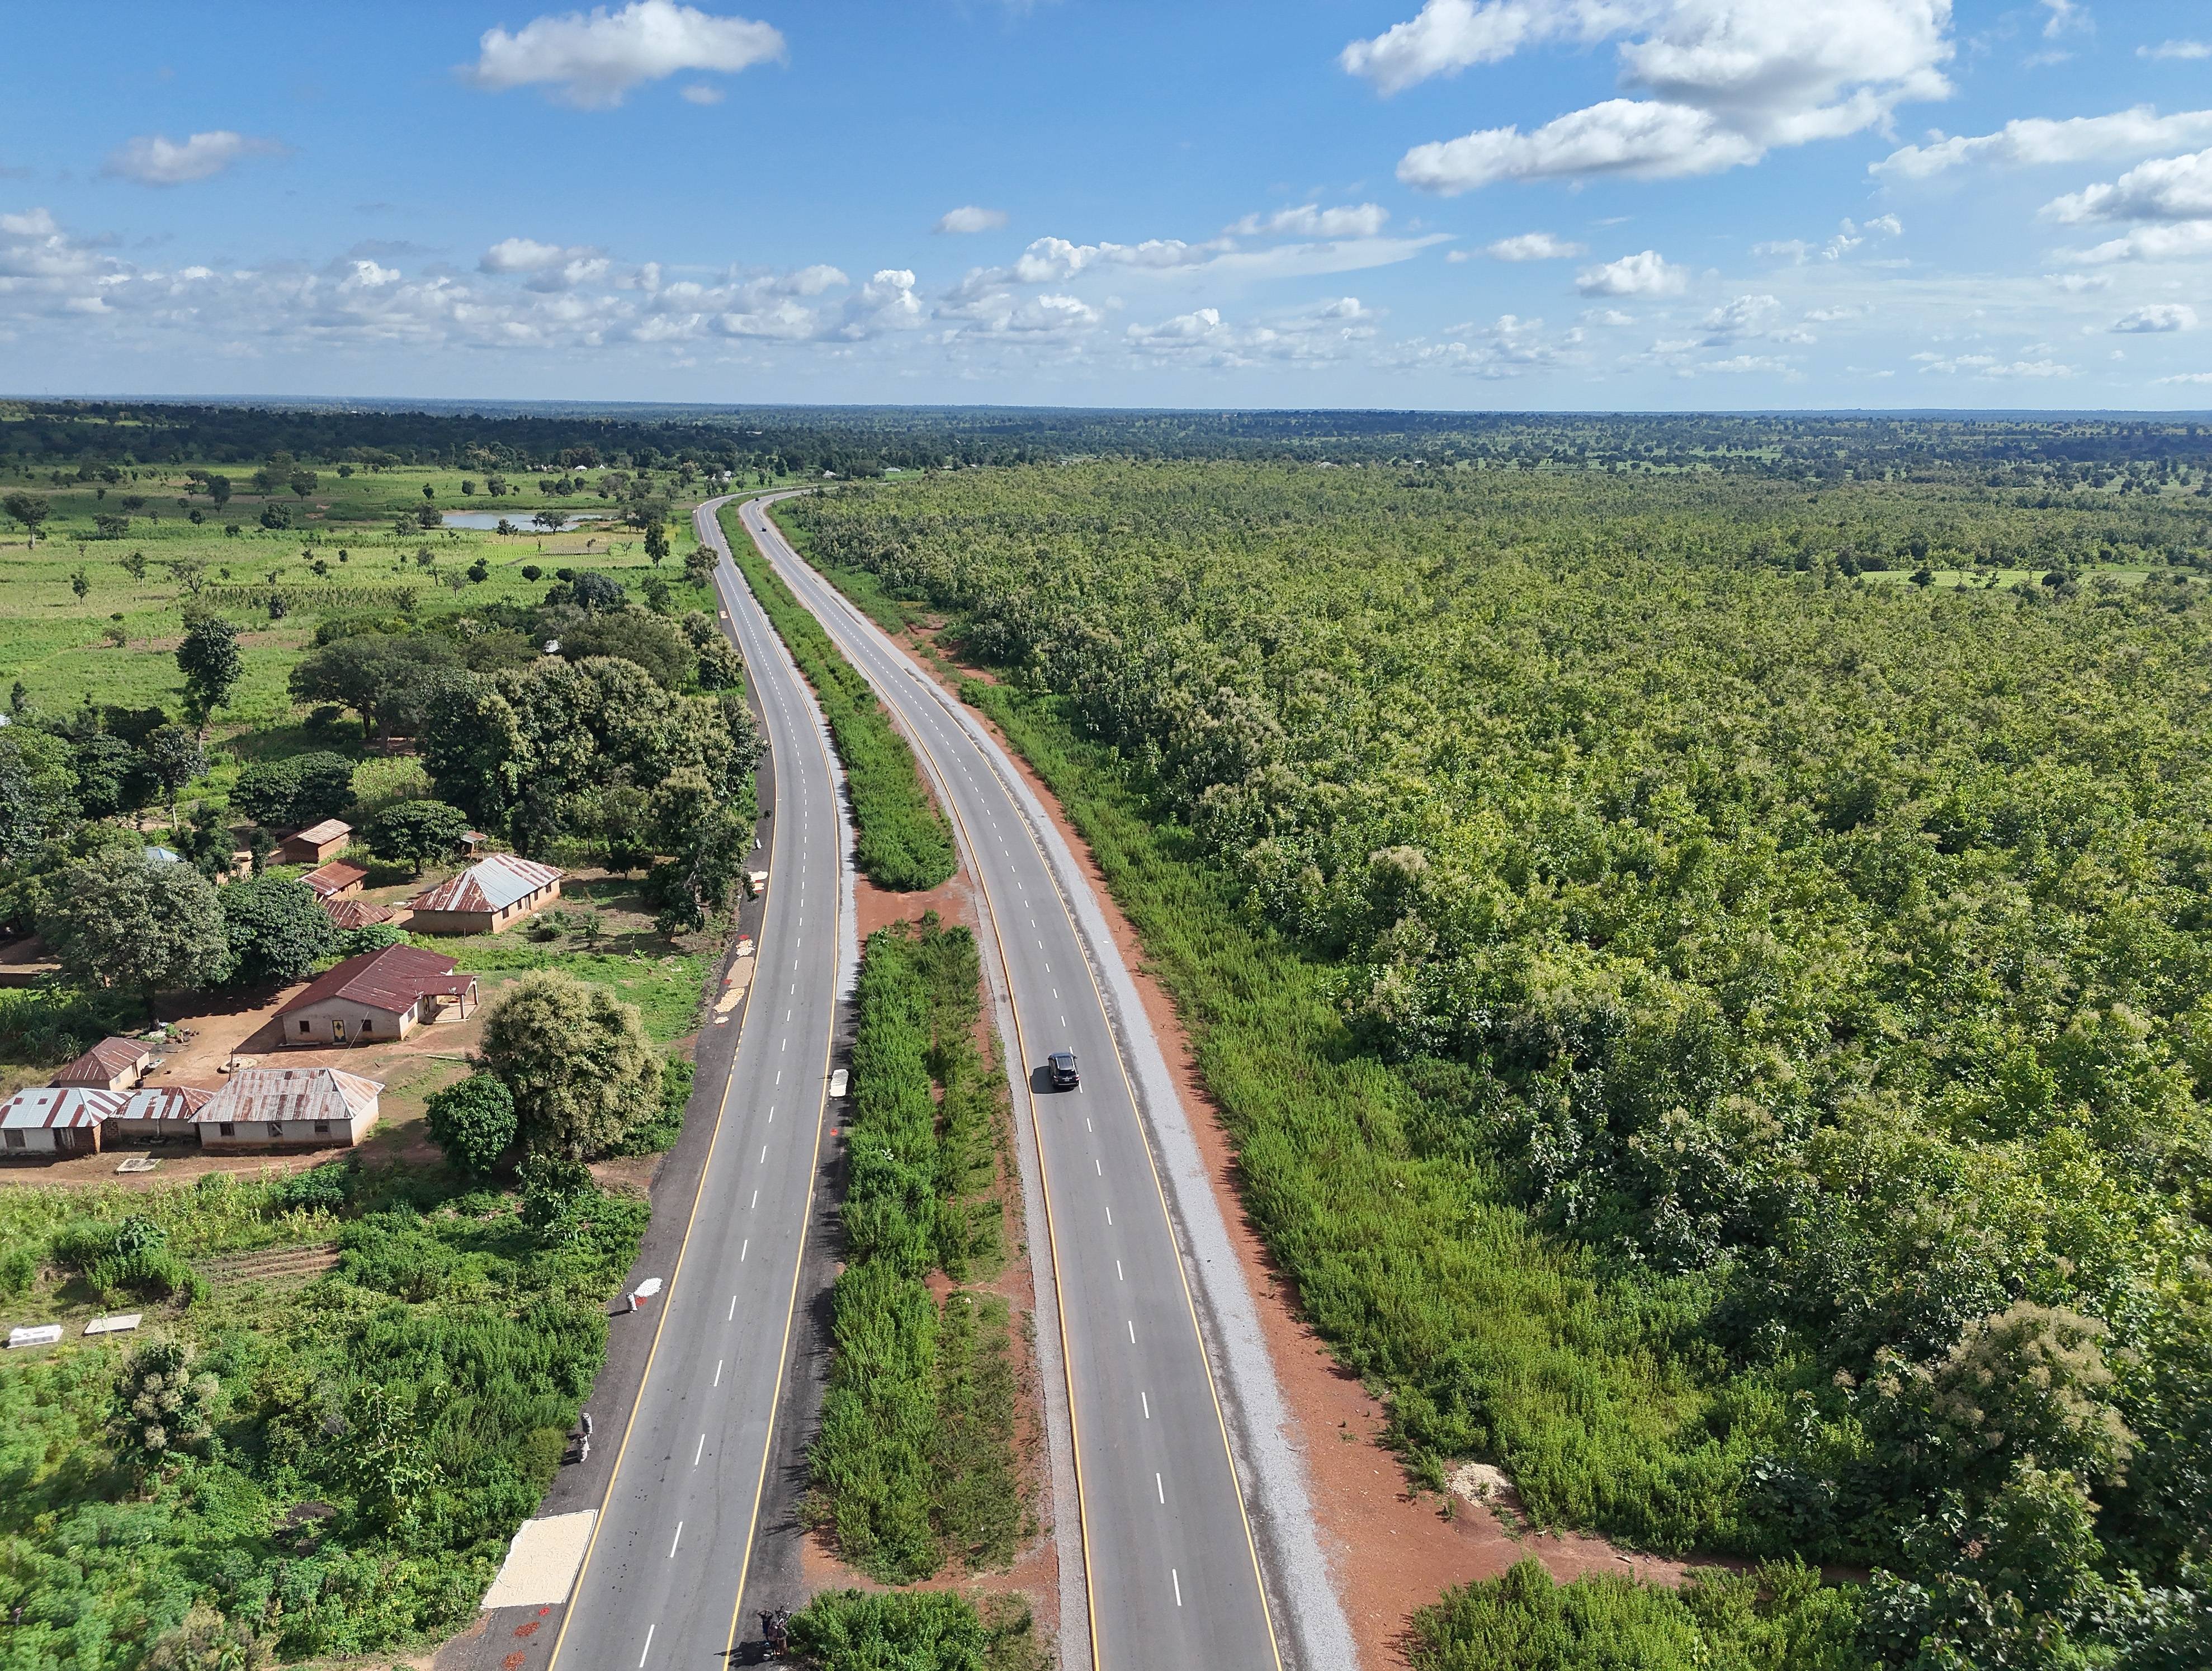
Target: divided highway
<point x="1172" y="1569"/>
<point x="660" y="1584"/>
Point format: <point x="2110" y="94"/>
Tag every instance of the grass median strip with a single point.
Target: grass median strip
<point x="904" y="844"/>
<point x="915" y="1465"/>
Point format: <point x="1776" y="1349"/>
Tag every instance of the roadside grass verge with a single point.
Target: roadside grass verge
<point x="904" y="844"/>
<point x="915" y="1464"/>
<point x="853" y="1630"/>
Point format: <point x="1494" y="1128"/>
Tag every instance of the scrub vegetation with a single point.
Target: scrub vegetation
<point x="1705" y="969"/>
<point x="281" y="1464"/>
<point x="915" y="1465"/>
<point x="903" y="842"/>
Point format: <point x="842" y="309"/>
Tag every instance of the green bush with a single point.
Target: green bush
<point x="1778" y="1619"/>
<point x="19" y="1269"/>
<point x="473" y="1121"/>
<point x="914" y="1458"/>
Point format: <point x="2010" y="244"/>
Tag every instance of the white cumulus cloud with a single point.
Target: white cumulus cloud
<point x="2176" y="49"/>
<point x="2171" y="188"/>
<point x="1729" y="80"/>
<point x="970" y="218"/>
<point x="2159" y="316"/>
<point x="593" y="60"/>
<point x="153" y="160"/>
<point x="1534" y="246"/>
<point x="1647" y="273"/>
<point x="2034" y="140"/>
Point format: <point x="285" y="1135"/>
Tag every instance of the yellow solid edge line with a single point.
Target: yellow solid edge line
<point x="799" y="1266"/>
<point x="1052" y="1238"/>
<point x="662" y="1322"/>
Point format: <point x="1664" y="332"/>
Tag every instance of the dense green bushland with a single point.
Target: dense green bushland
<point x="903" y="841"/>
<point x="1778" y="1619"/>
<point x="1721" y="1037"/>
<point x="318" y="1470"/>
<point x="914" y="1462"/>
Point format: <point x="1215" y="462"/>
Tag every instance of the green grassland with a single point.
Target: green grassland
<point x="54" y="642"/>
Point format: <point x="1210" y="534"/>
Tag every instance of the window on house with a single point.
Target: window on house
<point x="227" y="1128"/>
<point x="322" y="1128"/>
<point x="368" y="1023"/>
<point x="275" y="1130"/>
<point x="14" y="1139"/>
<point x="306" y="1026"/>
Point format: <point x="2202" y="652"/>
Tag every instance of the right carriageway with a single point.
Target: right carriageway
<point x="1173" y="1569"/>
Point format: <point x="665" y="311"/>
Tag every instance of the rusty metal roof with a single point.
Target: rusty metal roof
<point x="391" y="978"/>
<point x="331" y="829"/>
<point x="58" y="1106"/>
<point x="356" y="913"/>
<point x="333" y="877"/>
<point x="291" y="1093"/>
<point x="490" y="885"/>
<point x="103" y="1061"/>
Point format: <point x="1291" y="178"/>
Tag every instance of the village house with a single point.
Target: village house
<point x="113" y="1064"/>
<point x="292" y="1108"/>
<point x="54" y="1120"/>
<point x="156" y="1114"/>
<point x="351" y="913"/>
<point x="339" y="879"/>
<point x="492" y="895"/>
<point x="381" y="994"/>
<point x="316" y="843"/>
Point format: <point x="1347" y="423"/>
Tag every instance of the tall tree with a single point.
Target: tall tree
<point x="145" y="925"/>
<point x="209" y="658"/>
<point x="28" y="508"/>
<point x="576" y="1059"/>
<point x="276" y="930"/>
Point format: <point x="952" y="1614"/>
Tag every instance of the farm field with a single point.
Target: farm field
<point x="1711" y="1025"/>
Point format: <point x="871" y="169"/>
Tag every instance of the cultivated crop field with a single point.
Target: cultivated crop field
<point x="342" y="551"/>
<point x="1711" y="992"/>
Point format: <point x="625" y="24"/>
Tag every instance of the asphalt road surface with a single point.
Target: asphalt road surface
<point x="660" y="1584"/>
<point x="1173" y="1573"/>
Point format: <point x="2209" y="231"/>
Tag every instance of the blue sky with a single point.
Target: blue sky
<point x="1465" y="204"/>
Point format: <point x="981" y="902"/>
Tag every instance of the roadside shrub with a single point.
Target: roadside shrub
<point x="19" y="1269"/>
<point x="473" y="1121"/>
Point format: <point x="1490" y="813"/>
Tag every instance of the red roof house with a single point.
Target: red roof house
<point x="379" y="994"/>
<point x="313" y="844"/>
<point x="113" y="1064"/>
<point x="336" y="880"/>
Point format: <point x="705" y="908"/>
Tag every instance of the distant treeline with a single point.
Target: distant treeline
<point x="1996" y="450"/>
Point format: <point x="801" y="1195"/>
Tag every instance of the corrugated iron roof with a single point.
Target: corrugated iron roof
<point x="106" y="1059"/>
<point x="356" y="913"/>
<point x="291" y="1093"/>
<point x="164" y="1102"/>
<point x="58" y="1106"/>
<point x="390" y="978"/>
<point x="332" y="878"/>
<point x="331" y="829"/>
<point x="490" y="885"/>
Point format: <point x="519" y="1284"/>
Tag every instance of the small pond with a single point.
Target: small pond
<point x="489" y="520"/>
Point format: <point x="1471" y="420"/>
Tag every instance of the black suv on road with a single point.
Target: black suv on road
<point x="1064" y="1076"/>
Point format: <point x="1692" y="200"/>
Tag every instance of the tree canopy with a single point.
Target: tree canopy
<point x="576" y="1061"/>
